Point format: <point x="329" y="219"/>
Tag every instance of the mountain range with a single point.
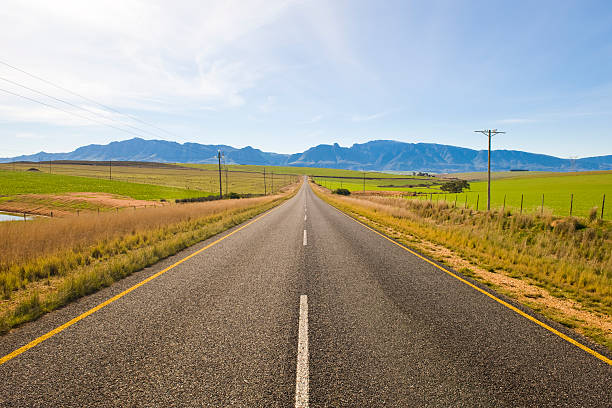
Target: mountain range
<point x="379" y="155"/>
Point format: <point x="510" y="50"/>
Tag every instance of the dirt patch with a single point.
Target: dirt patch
<point x="59" y="205"/>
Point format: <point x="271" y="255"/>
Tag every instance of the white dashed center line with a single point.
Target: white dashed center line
<point x="305" y="238"/>
<point x="301" y="376"/>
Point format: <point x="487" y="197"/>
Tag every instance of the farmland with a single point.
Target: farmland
<point x="183" y="181"/>
<point x="587" y="188"/>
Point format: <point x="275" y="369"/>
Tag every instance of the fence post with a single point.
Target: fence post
<point x="51" y="214"/>
<point x="571" y="204"/>
<point x="78" y="211"/>
<point x="542" y="208"/>
<point x="521" y="203"/>
<point x="603" y="202"/>
<point x="466" y="200"/>
<point x="24" y="217"/>
<point x="477" y="200"/>
<point x="455" y="205"/>
<point x="504" y="207"/>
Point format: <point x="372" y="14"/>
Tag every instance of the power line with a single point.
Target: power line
<point x="69" y="112"/>
<point x="78" y="107"/>
<point x="86" y="98"/>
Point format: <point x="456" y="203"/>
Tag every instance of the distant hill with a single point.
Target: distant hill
<point x="375" y="155"/>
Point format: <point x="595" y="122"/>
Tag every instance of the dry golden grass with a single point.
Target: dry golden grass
<point x="567" y="257"/>
<point x="48" y="262"/>
<point x="24" y="241"/>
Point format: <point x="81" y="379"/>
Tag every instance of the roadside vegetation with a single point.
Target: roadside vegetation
<point x="47" y="263"/>
<point x="559" y="266"/>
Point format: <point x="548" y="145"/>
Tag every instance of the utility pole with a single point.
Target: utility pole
<point x="265" y="192"/>
<point x="110" y="169"/>
<point x="272" y="183"/>
<point x="489" y="133"/>
<point x="226" y="176"/>
<point x="220" y="179"/>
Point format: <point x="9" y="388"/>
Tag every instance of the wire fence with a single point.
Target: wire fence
<point x="558" y="203"/>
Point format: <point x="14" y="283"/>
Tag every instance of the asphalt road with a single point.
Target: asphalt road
<point x="337" y="315"/>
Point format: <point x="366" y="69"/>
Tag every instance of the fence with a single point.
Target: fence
<point x="559" y="204"/>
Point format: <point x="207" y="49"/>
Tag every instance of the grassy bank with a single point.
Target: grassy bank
<point x="49" y="262"/>
<point x="561" y="267"/>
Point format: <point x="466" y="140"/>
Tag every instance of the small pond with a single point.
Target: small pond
<point x="12" y="217"/>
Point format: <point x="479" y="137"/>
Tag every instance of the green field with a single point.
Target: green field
<point x="306" y="171"/>
<point x="21" y="182"/>
<point x="588" y="189"/>
<point x="203" y="178"/>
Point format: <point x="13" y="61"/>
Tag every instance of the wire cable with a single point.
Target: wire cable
<point x="79" y="107"/>
<point x="86" y="98"/>
<point x="68" y="112"/>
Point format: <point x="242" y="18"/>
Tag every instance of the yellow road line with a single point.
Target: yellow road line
<point x="64" y="326"/>
<point x="498" y="300"/>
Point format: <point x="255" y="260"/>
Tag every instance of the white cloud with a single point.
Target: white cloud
<point x="366" y="118"/>
<point x="134" y="54"/>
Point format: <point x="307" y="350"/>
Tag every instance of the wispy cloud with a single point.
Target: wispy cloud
<point x="313" y="120"/>
<point x="366" y="118"/>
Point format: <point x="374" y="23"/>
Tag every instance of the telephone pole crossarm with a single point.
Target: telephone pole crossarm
<point x="489" y="133"/>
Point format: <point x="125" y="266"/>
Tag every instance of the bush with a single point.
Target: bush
<point x="342" y="191"/>
<point x="455" y="186"/>
<point x="593" y="214"/>
<point x="197" y="199"/>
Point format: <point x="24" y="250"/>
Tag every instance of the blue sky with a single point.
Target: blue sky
<point x="286" y="75"/>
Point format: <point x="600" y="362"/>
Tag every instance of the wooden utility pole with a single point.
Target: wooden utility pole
<point x="265" y="191"/>
<point x="110" y="169"/>
<point x="220" y="178"/>
<point x="489" y="133"/>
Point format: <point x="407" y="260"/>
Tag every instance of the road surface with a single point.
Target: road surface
<point x="302" y="307"/>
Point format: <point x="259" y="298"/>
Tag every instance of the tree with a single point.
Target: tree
<point x="455" y="186"/>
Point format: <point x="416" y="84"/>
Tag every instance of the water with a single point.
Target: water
<point x="11" y="217"/>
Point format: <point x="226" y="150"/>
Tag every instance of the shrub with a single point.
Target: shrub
<point x="593" y="214"/>
<point x="342" y="191"/>
<point x="455" y="186"/>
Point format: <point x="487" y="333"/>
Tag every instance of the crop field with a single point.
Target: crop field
<point x="379" y="182"/>
<point x="184" y="181"/>
<point x="588" y="189"/>
<point x="306" y="171"/>
<point x="20" y="182"/>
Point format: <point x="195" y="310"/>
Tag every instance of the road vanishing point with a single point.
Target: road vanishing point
<point x="301" y="306"/>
